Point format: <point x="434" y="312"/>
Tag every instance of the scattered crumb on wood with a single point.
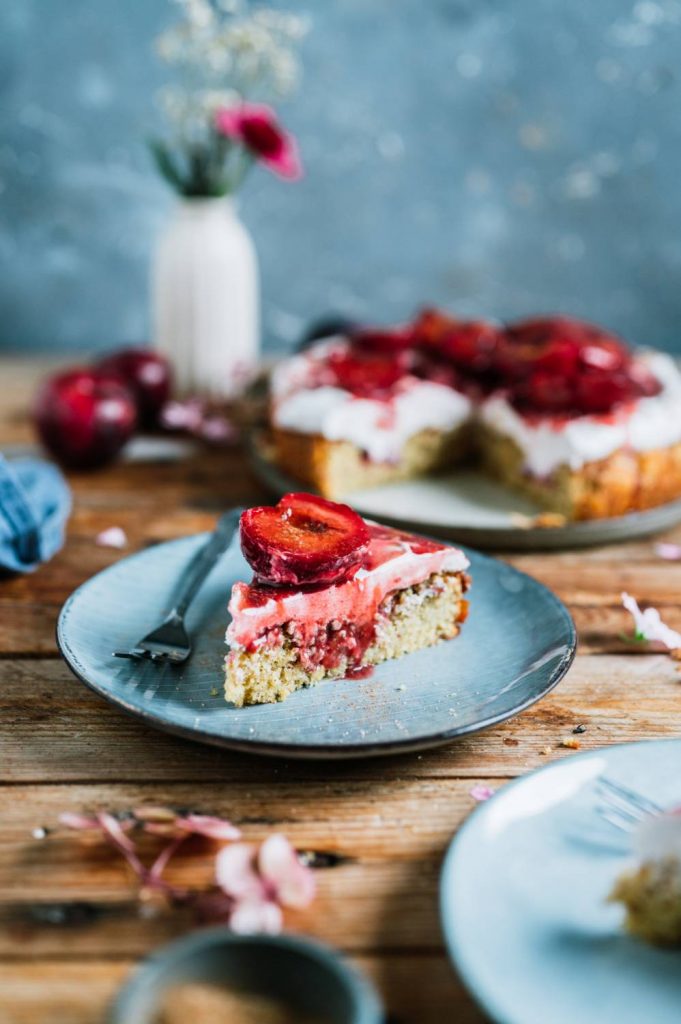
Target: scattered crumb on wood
<point x="542" y="521"/>
<point x="570" y="742"/>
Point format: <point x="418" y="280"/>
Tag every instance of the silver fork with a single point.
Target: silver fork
<point x="170" y="642"/>
<point x="622" y="807"/>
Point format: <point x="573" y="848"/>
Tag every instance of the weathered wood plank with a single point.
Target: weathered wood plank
<point x="54" y="728"/>
<point x="420" y="989"/>
<point x="380" y="891"/>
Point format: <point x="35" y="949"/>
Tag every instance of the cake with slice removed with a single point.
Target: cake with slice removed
<point x="559" y="410"/>
<point x="333" y="595"/>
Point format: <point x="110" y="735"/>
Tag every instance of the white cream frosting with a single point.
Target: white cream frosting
<point x="379" y="428"/>
<point x="653" y="422"/>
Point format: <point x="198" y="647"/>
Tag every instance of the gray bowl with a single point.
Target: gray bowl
<point x="301" y="973"/>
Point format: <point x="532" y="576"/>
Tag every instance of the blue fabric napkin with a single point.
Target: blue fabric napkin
<point x="35" y="503"/>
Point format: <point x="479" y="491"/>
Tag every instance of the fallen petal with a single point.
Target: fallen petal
<point x="115" y="832"/>
<point x="649" y="625"/>
<point x="186" y="415"/>
<point x="252" y="916"/>
<point x="217" y="430"/>
<point x="280" y="866"/>
<point x="481" y="792"/>
<point x="235" y="872"/>
<point x="113" y="537"/>
<point x="670" y="552"/>
<point x="78" y="821"/>
<point x="208" y="826"/>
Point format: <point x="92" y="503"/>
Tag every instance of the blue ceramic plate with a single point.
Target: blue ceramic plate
<point x="517" y="644"/>
<point x="523" y="898"/>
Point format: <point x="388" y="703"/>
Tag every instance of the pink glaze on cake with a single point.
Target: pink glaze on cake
<point x="394" y="561"/>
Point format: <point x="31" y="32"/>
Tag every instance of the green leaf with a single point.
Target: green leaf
<point x="167" y="166"/>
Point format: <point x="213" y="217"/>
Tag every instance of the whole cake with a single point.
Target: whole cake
<point x="333" y="595"/>
<point x="555" y="408"/>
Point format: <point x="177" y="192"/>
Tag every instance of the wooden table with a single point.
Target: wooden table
<point x="69" y="923"/>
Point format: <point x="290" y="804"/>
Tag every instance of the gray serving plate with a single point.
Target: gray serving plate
<point x="515" y="646"/>
<point x="304" y="974"/>
<point x="468" y="507"/>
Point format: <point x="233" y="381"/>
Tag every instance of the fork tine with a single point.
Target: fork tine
<point x="626" y="813"/>
<point x="628" y="796"/>
<point x="623" y="824"/>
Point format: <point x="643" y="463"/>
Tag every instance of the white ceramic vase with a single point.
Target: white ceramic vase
<point x="206" y="298"/>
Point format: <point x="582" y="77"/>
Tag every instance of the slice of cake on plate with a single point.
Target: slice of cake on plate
<point x="333" y="595"/>
<point x="651" y="891"/>
<point x="557" y="409"/>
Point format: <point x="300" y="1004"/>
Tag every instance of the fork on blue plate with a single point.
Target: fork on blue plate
<point x="170" y="642"/>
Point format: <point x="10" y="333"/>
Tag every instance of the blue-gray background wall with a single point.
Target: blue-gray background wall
<point x="496" y="156"/>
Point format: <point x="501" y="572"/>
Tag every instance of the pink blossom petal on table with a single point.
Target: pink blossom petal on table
<point x="161" y="862"/>
<point x="280" y="866"/>
<point x="80" y="822"/>
<point x="115" y="831"/>
<point x="235" y="872"/>
<point x="208" y="826"/>
<point x="187" y="415"/>
<point x="217" y="430"/>
<point x="113" y="537"/>
<point x="253" y="915"/>
<point x="670" y="552"/>
<point x="649" y="625"/>
<point x="481" y="792"/>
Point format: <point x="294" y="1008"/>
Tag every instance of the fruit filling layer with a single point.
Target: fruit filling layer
<point x="339" y="615"/>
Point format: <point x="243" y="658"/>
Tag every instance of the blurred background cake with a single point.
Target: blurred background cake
<point x="558" y="409"/>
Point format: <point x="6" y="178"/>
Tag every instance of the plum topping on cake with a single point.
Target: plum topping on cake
<point x="564" y="367"/>
<point x="303" y="541"/>
<point x="367" y="373"/>
<point x="460" y="353"/>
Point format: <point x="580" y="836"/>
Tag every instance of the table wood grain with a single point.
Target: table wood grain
<point x="70" y="927"/>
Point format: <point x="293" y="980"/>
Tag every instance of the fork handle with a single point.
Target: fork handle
<point x="205" y="560"/>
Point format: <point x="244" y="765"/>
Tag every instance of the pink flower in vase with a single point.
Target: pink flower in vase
<point x="256" y="127"/>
